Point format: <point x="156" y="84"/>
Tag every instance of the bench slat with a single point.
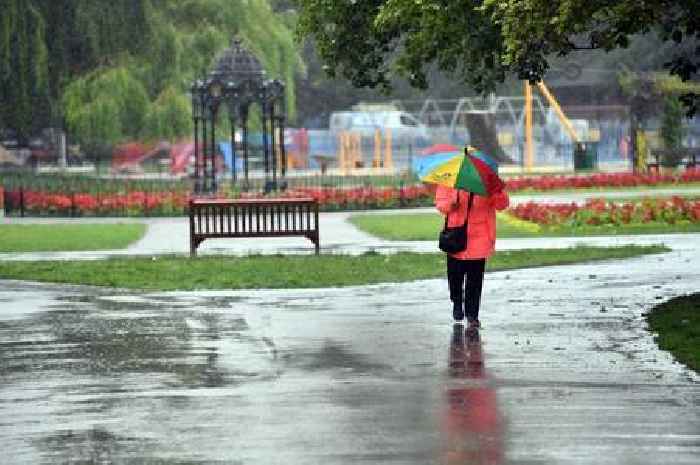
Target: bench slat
<point x="221" y="218"/>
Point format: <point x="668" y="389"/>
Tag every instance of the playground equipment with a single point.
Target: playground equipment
<point x="529" y="147"/>
<point x="298" y="154"/>
<point x="386" y="160"/>
<point x="130" y="157"/>
<point x="511" y="125"/>
<point x="350" y="155"/>
<point x="350" y="151"/>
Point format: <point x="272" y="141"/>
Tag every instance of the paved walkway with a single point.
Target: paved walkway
<point x="564" y="372"/>
<point x="170" y="236"/>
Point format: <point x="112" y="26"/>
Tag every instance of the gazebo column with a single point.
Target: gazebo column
<point x="266" y="143"/>
<point x="283" y="149"/>
<point x="244" y="141"/>
<point x="202" y="176"/>
<point x="212" y="187"/>
<point x="197" y="185"/>
<point x="232" y="121"/>
<point x="273" y="136"/>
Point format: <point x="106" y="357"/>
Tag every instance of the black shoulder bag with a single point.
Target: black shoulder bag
<point x="453" y="240"/>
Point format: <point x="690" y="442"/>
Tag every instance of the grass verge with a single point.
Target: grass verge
<point x="677" y="323"/>
<point x="425" y="227"/>
<point x="257" y="272"/>
<point x="68" y="237"/>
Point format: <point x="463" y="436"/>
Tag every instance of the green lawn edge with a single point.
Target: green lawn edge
<point x="68" y="237"/>
<point x="425" y="227"/>
<point x="677" y="323"/>
<point x="170" y="273"/>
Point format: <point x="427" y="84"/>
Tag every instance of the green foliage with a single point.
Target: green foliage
<point x="91" y="62"/>
<point x="677" y="323"/>
<point x="672" y="123"/>
<point x="105" y="106"/>
<point x="169" y="117"/>
<point x="672" y="131"/>
<point x="255" y="272"/>
<point x="366" y="41"/>
<point x="484" y="42"/>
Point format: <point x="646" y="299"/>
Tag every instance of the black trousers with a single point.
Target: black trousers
<point x="469" y="295"/>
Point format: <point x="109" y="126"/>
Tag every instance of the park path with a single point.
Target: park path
<point x="170" y="235"/>
<point x="564" y="372"/>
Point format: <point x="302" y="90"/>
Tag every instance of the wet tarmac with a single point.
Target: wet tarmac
<point x="563" y="372"/>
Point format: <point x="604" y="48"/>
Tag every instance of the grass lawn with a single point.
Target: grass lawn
<point x="425" y="227"/>
<point x="291" y="271"/>
<point x="68" y="237"/>
<point x="678" y="324"/>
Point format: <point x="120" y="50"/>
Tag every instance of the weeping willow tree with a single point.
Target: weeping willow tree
<point x="24" y="66"/>
<point x="112" y="70"/>
<point x="45" y="44"/>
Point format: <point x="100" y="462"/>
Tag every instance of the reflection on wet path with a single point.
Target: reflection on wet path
<point x="472" y="425"/>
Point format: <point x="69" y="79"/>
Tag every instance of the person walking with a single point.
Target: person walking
<point x="481" y="241"/>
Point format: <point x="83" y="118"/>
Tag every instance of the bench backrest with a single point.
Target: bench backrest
<point x="253" y="217"/>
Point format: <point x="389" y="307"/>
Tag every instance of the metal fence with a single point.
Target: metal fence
<point x="27" y="194"/>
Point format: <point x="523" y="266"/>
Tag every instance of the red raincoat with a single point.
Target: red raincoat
<point x="481" y="230"/>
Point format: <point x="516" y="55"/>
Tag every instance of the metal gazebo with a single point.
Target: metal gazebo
<point x="238" y="81"/>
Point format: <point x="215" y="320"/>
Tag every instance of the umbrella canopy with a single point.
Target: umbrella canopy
<point x="473" y="171"/>
<point x="439" y="148"/>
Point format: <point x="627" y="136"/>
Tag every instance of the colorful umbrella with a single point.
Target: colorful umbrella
<point x="473" y="171"/>
<point x="439" y="148"/>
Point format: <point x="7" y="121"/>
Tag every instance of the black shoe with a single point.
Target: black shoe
<point x="457" y="312"/>
<point x="474" y="324"/>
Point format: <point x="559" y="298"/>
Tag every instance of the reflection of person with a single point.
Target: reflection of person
<point x="471" y="426"/>
<point x="481" y="241"/>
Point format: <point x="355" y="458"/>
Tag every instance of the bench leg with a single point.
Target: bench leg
<point x="194" y="243"/>
<point x="313" y="237"/>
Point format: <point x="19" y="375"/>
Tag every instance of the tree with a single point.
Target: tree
<point x="483" y="42"/>
<point x="70" y="62"/>
<point x="46" y="43"/>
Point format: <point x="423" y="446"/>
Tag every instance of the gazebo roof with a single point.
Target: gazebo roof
<point x="237" y="64"/>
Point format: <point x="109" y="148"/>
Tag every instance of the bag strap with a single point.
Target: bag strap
<point x="469" y="207"/>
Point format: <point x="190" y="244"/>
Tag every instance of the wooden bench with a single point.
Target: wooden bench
<point x="215" y="219"/>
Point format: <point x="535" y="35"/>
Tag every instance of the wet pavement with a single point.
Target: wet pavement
<point x="563" y="372"/>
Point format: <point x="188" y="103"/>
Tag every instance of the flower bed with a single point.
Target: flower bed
<point x="135" y="203"/>
<point x="93" y="197"/>
<point x="139" y="203"/>
<point x="601" y="180"/>
<point x="599" y="212"/>
<point x="361" y="198"/>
